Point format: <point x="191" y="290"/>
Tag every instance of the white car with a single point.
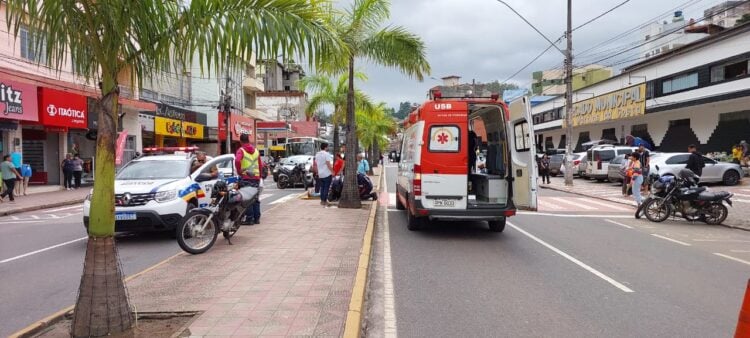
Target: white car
<point x="153" y="193"/>
<point x="718" y="172"/>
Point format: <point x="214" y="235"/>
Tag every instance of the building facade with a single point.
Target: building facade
<point x="727" y="13"/>
<point x="552" y="82"/>
<point x="697" y="94"/>
<point x="662" y="37"/>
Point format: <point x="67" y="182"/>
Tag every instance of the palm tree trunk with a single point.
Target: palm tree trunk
<point x="102" y="307"/>
<point x="350" y="194"/>
<point x="375" y="157"/>
<point x="336" y="136"/>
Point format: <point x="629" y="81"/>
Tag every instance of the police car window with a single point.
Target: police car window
<point x="445" y="138"/>
<point x="154" y="170"/>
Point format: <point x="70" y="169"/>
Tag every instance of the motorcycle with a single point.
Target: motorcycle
<point x="296" y="176"/>
<point x="673" y="195"/>
<point x="201" y="226"/>
<point x="364" y="186"/>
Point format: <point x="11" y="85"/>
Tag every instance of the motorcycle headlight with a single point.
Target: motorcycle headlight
<point x="165" y="196"/>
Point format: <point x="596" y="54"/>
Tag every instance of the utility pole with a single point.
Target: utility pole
<point x="569" y="98"/>
<point x="227" y="101"/>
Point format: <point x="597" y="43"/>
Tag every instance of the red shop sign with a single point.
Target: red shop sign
<point x="62" y="109"/>
<point x="238" y="125"/>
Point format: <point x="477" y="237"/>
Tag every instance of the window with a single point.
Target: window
<point x="521" y="130"/>
<point x="729" y="70"/>
<point x="445" y="139"/>
<point x="679" y="83"/>
<point x="29" y="44"/>
<point x="678" y="159"/>
<point x="287" y="88"/>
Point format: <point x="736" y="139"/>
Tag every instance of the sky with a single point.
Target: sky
<point x="483" y="40"/>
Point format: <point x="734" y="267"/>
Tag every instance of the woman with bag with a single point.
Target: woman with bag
<point x="636" y="176"/>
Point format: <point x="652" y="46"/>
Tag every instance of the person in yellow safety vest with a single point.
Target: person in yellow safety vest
<point x="249" y="164"/>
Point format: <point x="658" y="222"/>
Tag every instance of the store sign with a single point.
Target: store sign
<point x="238" y="125"/>
<point x="192" y="130"/>
<point x="147" y="122"/>
<point x="167" y="127"/>
<point x="18" y="101"/>
<point x="62" y="109"/>
<point x="622" y="104"/>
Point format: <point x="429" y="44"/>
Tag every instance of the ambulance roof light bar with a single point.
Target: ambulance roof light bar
<point x="170" y="149"/>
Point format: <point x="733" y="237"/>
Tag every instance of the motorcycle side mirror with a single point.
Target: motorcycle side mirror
<point x="657" y="168"/>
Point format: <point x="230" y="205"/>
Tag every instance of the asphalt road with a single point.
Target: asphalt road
<point x="41" y="259"/>
<point x="589" y="273"/>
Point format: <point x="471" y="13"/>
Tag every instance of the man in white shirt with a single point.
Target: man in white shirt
<point x="324" y="164"/>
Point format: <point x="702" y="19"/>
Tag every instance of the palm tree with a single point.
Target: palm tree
<point x="360" y="30"/>
<point x="115" y="41"/>
<point x="373" y="126"/>
<point x="333" y="94"/>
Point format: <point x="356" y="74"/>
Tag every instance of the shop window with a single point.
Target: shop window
<point x="30" y="41"/>
<point x="679" y="83"/>
<point x="679" y="123"/>
<point x="729" y="70"/>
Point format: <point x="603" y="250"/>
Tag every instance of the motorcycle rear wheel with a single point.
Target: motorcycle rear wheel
<point x="283" y="182"/>
<point x="715" y="214"/>
<point x="657" y="210"/>
<point x="190" y="239"/>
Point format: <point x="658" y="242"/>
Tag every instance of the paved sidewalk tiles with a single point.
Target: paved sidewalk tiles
<point x="739" y="214"/>
<point x="43" y="200"/>
<point x="292" y="275"/>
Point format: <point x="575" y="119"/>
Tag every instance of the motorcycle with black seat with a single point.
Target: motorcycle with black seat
<point x="682" y="194"/>
<point x="201" y="226"/>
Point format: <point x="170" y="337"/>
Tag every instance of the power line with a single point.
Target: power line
<point x="601" y="15"/>
<point x="532" y="26"/>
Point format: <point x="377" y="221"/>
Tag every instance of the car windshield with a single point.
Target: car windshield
<point x="154" y="170"/>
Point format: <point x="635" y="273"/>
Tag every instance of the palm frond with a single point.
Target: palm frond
<point x="398" y="48"/>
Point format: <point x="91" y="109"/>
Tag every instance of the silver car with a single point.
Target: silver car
<point x="716" y="172"/>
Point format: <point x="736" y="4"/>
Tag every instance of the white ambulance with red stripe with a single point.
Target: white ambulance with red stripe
<point x="439" y="177"/>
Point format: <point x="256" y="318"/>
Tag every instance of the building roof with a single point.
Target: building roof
<point x="707" y="41"/>
<point x="450" y="77"/>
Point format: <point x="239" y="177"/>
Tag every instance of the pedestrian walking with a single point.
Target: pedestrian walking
<point x="324" y="166"/>
<point x="249" y="164"/>
<point x="362" y="166"/>
<point x="23" y="185"/>
<point x="626" y="181"/>
<point x="544" y="168"/>
<point x="645" y="159"/>
<point x="635" y="171"/>
<point x="695" y="161"/>
<point x="67" y="169"/>
<point x="77" y="170"/>
<point x="9" y="174"/>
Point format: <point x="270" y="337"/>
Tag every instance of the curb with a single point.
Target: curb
<point x="353" y="326"/>
<point x="42" y="206"/>
<point x="623" y="203"/>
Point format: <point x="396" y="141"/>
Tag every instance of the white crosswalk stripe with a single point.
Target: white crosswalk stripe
<point x="574" y="204"/>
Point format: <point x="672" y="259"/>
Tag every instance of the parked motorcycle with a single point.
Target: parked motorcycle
<point x="201" y="226"/>
<point x="298" y="175"/>
<point x="673" y="195"/>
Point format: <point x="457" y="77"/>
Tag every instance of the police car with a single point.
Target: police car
<point x="153" y="193"/>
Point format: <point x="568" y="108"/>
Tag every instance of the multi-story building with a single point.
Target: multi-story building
<point x="696" y="94"/>
<point x="662" y="37"/>
<point x="282" y="99"/>
<point x="552" y="82"/>
<point x="727" y="13"/>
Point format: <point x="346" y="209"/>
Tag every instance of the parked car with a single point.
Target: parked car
<point x="716" y="172"/>
<point x="555" y="162"/>
<point x="599" y="158"/>
<point x="583" y="164"/>
<point x="614" y="174"/>
<point x="290" y="162"/>
<point x="575" y="162"/>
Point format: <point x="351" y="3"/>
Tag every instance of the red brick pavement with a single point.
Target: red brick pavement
<point x="292" y="275"/>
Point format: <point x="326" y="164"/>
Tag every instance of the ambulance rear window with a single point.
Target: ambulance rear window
<point x="445" y="139"/>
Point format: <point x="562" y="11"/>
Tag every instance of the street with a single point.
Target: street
<point x="579" y="268"/>
<point x="41" y="256"/>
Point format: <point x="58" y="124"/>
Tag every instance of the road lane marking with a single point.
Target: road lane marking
<point x="671" y="240"/>
<point x="740" y="251"/>
<point x="732" y="258"/>
<point x="577" y="205"/>
<point x="608" y="205"/>
<point x="534" y="213"/>
<point x="618" y="223"/>
<point x="543" y="204"/>
<point x="391" y="198"/>
<point x="389" y="303"/>
<point x="22" y="221"/>
<point x="41" y="250"/>
<point x="34" y="216"/>
<point x="574" y="260"/>
<point x="722" y="240"/>
<point x="284" y="199"/>
<point x="65" y="208"/>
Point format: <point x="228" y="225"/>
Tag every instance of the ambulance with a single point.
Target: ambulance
<point x="440" y="179"/>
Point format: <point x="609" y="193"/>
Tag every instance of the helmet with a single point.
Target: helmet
<point x="220" y="186"/>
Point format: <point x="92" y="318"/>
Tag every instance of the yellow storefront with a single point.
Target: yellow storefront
<point x="175" y="133"/>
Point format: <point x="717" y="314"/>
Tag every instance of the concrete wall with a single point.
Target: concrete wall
<point x="273" y="106"/>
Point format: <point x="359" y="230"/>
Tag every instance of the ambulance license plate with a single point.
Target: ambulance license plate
<point x="444" y="203"/>
<point x="125" y="216"/>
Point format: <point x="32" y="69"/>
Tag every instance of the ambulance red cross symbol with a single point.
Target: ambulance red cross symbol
<point x="442" y="138"/>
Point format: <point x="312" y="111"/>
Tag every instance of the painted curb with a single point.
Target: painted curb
<point x="623" y="203"/>
<point x="42" y="206"/>
<point x="353" y="326"/>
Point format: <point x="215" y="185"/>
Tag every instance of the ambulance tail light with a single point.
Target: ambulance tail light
<point x="417" y="181"/>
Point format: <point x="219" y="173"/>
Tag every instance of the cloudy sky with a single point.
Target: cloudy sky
<point x="485" y="41"/>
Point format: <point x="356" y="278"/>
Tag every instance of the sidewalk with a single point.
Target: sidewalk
<point x="739" y="214"/>
<point x="43" y="197"/>
<point x="292" y="275"/>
